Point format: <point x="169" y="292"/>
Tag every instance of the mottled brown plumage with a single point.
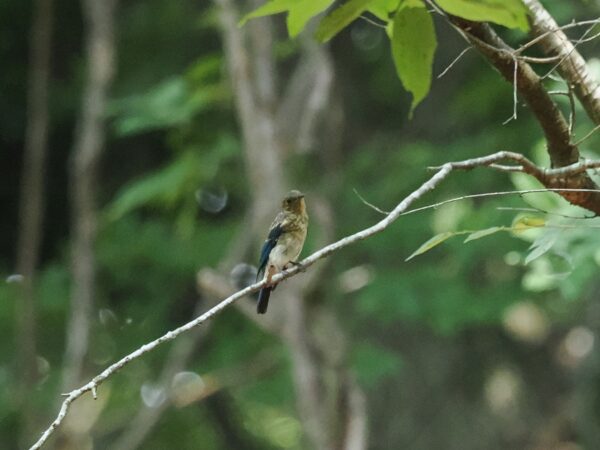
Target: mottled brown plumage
<point x="283" y="244"/>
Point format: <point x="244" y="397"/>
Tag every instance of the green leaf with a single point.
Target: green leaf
<point x="483" y="233"/>
<point x="268" y="9"/>
<point x="541" y="245"/>
<point x="413" y="46"/>
<point x="299" y="12"/>
<point x="527" y="222"/>
<point x="382" y="8"/>
<point x="374" y="362"/>
<point x="171" y="103"/>
<point x="510" y="13"/>
<point x="339" y="18"/>
<point x="433" y="242"/>
<point x="302" y="12"/>
<point x="161" y="187"/>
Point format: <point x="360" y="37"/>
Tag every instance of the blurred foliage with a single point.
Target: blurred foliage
<point x="174" y="195"/>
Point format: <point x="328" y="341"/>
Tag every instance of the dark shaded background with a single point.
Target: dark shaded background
<point x="465" y="347"/>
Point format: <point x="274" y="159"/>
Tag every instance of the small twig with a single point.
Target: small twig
<point x="572" y="110"/>
<point x="591" y="38"/>
<point x="460" y="55"/>
<point x="539" y="60"/>
<point x="505" y="168"/>
<point x="566" y="55"/>
<point x="515" y="85"/>
<point x="497" y="194"/>
<point x="491" y="160"/>
<point x="370" y="205"/>
<point x="526" y="165"/>
<point x="587" y="136"/>
<point x="542" y="36"/>
<point x="569" y="94"/>
<point x="371" y="21"/>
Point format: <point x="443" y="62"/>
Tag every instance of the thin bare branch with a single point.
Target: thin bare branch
<point x="372" y="22"/>
<point x="515" y="84"/>
<point x="307" y="262"/>
<point x="542" y="174"/>
<point x="587" y="136"/>
<point x="499" y="194"/>
<point x="555" y="30"/>
<point x="370" y="205"/>
<point x="400" y="209"/>
<point x="454" y="61"/>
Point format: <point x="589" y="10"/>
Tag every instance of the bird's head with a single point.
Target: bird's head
<point x="294" y="202"/>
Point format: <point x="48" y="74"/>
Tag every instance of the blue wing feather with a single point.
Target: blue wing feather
<point x="269" y="245"/>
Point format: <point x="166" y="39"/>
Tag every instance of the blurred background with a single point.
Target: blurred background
<point x="146" y="146"/>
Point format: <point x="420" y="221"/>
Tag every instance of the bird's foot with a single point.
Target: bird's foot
<point x="299" y="265"/>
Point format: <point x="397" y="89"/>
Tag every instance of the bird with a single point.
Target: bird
<point x="283" y="244"/>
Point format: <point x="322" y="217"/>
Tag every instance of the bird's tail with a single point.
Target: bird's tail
<point x="263" y="300"/>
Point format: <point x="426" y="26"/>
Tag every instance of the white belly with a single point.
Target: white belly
<point x="286" y="250"/>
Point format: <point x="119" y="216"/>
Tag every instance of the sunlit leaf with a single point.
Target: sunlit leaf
<point x="268" y="9"/>
<point x="339" y="18"/>
<point x="382" y="8"/>
<point x="299" y="12"/>
<point x="413" y="47"/>
<point x="483" y="233"/>
<point x="527" y="222"/>
<point x="433" y="242"/>
<point x="510" y="13"/>
<point x="302" y="12"/>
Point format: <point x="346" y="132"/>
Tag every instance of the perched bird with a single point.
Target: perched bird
<point x="283" y="244"/>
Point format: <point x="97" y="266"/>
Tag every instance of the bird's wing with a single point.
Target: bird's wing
<point x="270" y="243"/>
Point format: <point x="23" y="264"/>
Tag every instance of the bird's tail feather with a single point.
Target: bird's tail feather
<point x="263" y="300"/>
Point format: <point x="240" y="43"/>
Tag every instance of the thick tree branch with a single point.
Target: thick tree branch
<point x="556" y="129"/>
<point x="561" y="150"/>
<point x="572" y="66"/>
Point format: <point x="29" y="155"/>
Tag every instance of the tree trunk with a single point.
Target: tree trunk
<point x="89" y="141"/>
<point x="31" y="205"/>
<point x="331" y="406"/>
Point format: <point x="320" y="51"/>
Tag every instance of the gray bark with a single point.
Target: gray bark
<point x="572" y="67"/>
<point x="87" y="149"/>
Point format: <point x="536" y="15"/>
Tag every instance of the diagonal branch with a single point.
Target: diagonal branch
<point x="92" y="385"/>
<point x="378" y="227"/>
